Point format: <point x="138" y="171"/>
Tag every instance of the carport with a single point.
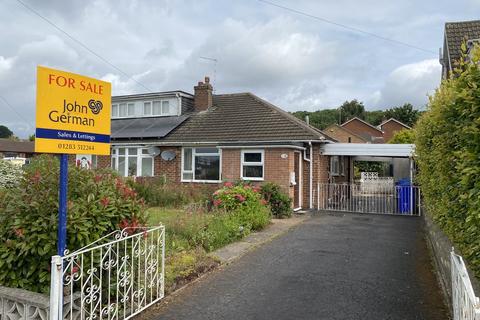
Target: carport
<point x="372" y="194"/>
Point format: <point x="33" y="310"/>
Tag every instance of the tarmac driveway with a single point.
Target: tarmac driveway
<point x="348" y="266"/>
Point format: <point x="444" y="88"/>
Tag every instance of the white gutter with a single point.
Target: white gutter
<point x="310" y="182"/>
<point x="262" y="146"/>
<point x="218" y="143"/>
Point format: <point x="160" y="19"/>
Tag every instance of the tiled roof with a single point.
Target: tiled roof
<point x="7" y="145"/>
<point x="456" y="32"/>
<point x="395" y="120"/>
<point x="243" y="117"/>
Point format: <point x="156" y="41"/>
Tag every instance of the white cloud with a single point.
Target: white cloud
<point x="409" y="83"/>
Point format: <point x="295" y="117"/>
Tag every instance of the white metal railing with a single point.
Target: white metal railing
<point x="115" y="277"/>
<point x="370" y="198"/>
<point x="466" y="306"/>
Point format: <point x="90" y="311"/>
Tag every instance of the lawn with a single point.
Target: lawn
<point x="184" y="259"/>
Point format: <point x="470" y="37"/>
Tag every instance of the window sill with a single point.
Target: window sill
<point x="202" y="181"/>
<point x="252" y="179"/>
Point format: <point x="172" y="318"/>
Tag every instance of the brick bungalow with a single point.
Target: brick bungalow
<point x="344" y="135"/>
<point x="390" y="127"/>
<point x="208" y="138"/>
<point x="364" y="129"/>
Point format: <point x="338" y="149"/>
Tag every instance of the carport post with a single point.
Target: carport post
<point x="411" y="186"/>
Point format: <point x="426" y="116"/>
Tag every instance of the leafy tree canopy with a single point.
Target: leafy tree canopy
<point x="406" y="114"/>
<point x="5" y="132"/>
<point x="403" y="136"/>
<point x="352" y="109"/>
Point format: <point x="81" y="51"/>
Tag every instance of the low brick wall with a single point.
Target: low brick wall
<point x="441" y="246"/>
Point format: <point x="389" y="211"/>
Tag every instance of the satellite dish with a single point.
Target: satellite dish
<point x="154" y="151"/>
<point x="168" y="155"/>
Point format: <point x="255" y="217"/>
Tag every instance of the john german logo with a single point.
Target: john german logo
<point x="95" y="106"/>
<point x="74" y="113"/>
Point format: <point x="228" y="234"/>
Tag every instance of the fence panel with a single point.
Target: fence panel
<point x="115" y="277"/>
<point x="466" y="306"/>
<point x="381" y="198"/>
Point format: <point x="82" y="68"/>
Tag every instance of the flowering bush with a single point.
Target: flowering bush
<point x="10" y="174"/>
<point x="98" y="202"/>
<point x="232" y="196"/>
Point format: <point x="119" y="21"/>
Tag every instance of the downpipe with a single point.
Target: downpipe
<point x="310" y="180"/>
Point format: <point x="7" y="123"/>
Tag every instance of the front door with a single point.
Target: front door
<point x="297" y="181"/>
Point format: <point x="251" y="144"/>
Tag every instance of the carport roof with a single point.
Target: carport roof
<point x="367" y="149"/>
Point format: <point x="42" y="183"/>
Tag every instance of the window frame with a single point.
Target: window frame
<point x="139" y="156"/>
<point x="340" y="166"/>
<point x="247" y="163"/>
<point x="192" y="171"/>
<point x="139" y="108"/>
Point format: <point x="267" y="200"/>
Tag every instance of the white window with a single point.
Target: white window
<point x="201" y="164"/>
<point x="337" y="166"/>
<point x="133" y="161"/>
<point x="147" y="108"/>
<point x="252" y="164"/>
<point x="122" y="110"/>
<point x="131" y="109"/>
<point x="114" y="110"/>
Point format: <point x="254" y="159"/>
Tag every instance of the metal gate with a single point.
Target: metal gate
<point x="466" y="306"/>
<point x="114" y="277"/>
<point x="379" y="197"/>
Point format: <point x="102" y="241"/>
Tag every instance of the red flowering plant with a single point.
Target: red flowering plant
<point x="232" y="196"/>
<point x="98" y="203"/>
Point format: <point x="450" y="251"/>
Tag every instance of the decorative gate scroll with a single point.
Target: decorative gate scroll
<point x="115" y="277"/>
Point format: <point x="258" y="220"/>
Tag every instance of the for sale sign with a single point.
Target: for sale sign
<point x="73" y="113"/>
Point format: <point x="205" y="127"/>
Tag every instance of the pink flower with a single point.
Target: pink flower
<point x="217" y="202"/>
<point x="216" y="192"/>
<point x="256" y="189"/>
<point x="98" y="178"/>
<point x="264" y="202"/>
<point x="105" y="201"/>
<point x="240" y="198"/>
<point x="228" y="184"/>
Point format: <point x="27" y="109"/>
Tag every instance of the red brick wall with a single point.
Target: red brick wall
<point x="342" y="135"/>
<point x="170" y="170"/>
<point x="277" y="168"/>
<point x="390" y="128"/>
<point x="359" y="127"/>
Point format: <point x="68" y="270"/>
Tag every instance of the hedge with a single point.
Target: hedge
<point x="448" y="157"/>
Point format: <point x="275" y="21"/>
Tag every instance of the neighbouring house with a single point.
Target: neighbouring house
<point x="206" y="138"/>
<point x="342" y="134"/>
<point x="16" y="151"/>
<point x="454" y="35"/>
<point x="390" y="127"/>
<point x="364" y="129"/>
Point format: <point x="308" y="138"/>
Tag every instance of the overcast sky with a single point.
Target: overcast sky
<point x="294" y="61"/>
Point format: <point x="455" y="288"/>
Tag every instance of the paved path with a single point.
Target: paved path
<point x="362" y="267"/>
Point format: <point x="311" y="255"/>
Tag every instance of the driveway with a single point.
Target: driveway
<point x="330" y="267"/>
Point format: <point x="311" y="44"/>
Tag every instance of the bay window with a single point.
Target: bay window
<point x="132" y="161"/>
<point x="252" y="164"/>
<point x="201" y="164"/>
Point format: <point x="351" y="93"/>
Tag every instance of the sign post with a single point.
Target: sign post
<point x="73" y="116"/>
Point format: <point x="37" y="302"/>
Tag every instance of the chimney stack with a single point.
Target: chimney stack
<point x="203" y="95"/>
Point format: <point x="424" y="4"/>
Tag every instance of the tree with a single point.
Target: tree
<point x="31" y="137"/>
<point x="406" y="114"/>
<point x="319" y="119"/>
<point x="5" y="132"/>
<point x="375" y="117"/>
<point x="351" y="109"/>
<point x="403" y="136"/>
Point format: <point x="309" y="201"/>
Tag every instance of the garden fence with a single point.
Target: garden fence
<point x="466" y="306"/>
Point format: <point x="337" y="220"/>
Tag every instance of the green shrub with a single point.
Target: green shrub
<point x="232" y="196"/>
<point x="10" y="174"/>
<point x="98" y="202"/>
<point x="280" y="203"/>
<point x="448" y="157"/>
